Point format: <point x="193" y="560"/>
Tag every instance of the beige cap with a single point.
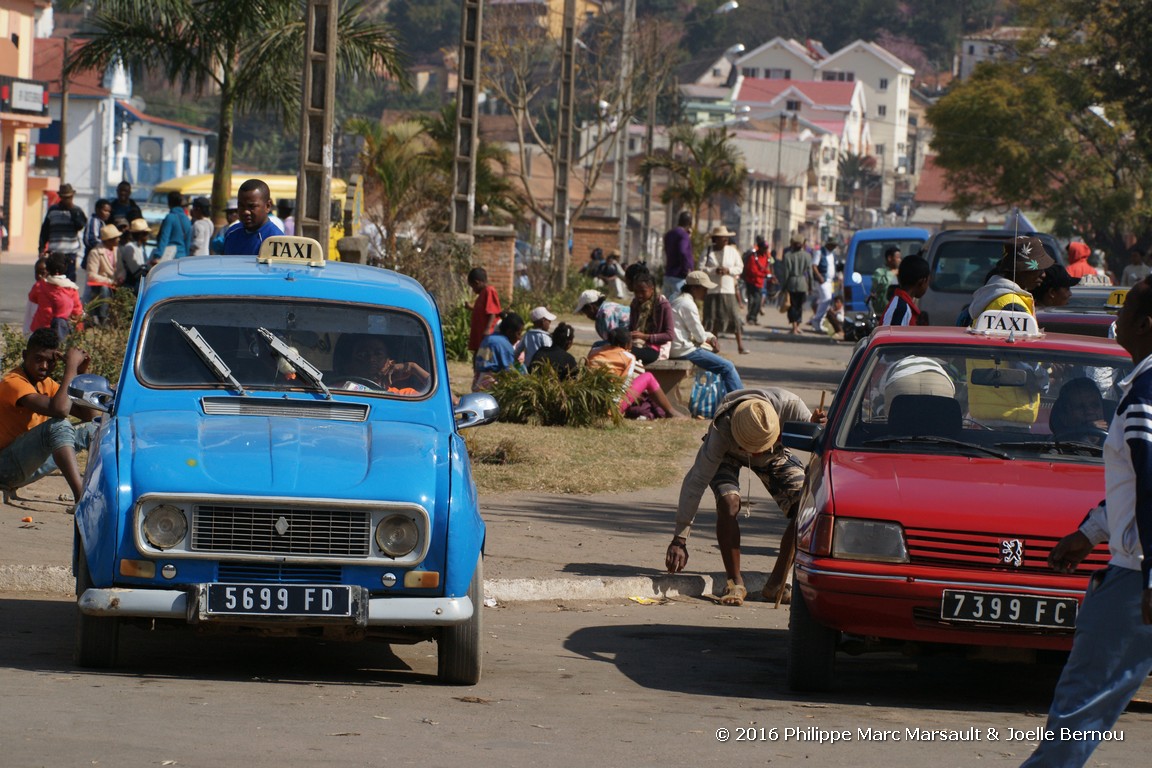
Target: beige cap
<point x="699" y="277"/>
<point x="755" y="426"/>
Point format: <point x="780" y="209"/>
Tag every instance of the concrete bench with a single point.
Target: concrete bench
<point x="675" y="378"/>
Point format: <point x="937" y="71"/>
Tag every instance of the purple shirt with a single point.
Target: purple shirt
<point x="678" y="261"/>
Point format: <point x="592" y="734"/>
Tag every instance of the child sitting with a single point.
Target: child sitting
<point x="497" y="352"/>
<point x="640" y="388"/>
<point x="57" y="298"/>
<point x="537" y="337"/>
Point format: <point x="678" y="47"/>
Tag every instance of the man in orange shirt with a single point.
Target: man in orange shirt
<point x="36" y="436"/>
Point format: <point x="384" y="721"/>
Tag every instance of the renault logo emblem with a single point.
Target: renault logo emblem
<point x="1011" y="552"/>
<point x="281" y="525"/>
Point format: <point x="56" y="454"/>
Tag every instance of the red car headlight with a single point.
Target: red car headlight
<point x="873" y="540"/>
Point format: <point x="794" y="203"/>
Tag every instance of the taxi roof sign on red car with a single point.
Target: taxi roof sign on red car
<point x="293" y="250"/>
<point x="1012" y="325"/>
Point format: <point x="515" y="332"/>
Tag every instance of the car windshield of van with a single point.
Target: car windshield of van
<point x="870" y="254"/>
<point x="1018" y="402"/>
<point x="962" y="266"/>
<point x="355" y="349"/>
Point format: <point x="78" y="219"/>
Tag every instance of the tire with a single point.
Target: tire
<point x="97" y="637"/>
<point x="458" y="651"/>
<point x="811" y="649"/>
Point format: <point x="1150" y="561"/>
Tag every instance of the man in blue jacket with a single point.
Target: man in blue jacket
<point x="1112" y="650"/>
<point x="175" y="238"/>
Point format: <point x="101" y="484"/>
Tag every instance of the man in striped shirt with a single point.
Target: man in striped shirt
<point x="1112" y="650"/>
<point x="913" y="283"/>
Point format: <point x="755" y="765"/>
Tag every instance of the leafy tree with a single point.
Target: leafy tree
<point x="1038" y="133"/>
<point x="703" y="166"/>
<point x="397" y="175"/>
<point x="497" y="199"/>
<point x="425" y="26"/>
<point x="251" y="56"/>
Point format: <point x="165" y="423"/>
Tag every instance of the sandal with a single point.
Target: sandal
<point x="783" y="593"/>
<point x="734" y="595"/>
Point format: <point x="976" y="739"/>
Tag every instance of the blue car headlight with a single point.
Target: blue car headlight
<point x="165" y="526"/>
<point x="397" y="535"/>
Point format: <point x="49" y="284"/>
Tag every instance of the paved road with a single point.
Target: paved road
<point x="566" y="683"/>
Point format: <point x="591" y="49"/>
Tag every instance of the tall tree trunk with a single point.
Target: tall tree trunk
<point x="222" y="174"/>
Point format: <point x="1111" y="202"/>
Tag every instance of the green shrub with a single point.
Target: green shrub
<point x="456" y="323"/>
<point x="588" y="399"/>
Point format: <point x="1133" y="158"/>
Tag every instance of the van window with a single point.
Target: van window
<point x="870" y="253"/>
<point x="963" y="266"/>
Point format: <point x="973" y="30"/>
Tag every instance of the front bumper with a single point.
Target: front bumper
<point x="871" y="600"/>
<point x="177" y="604"/>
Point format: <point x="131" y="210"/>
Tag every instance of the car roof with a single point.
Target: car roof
<point x="894" y="334"/>
<point x="243" y="276"/>
<point x="890" y="233"/>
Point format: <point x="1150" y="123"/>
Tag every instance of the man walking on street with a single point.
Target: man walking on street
<point x="123" y="206"/>
<point x="678" y="260"/>
<point x="60" y="232"/>
<point x="823" y="275"/>
<point x="756" y="270"/>
<point x="722" y="305"/>
<point x="1112" y="648"/>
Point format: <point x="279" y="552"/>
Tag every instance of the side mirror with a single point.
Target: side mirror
<point x="475" y="409"/>
<point x="856" y="278"/>
<point x="91" y="391"/>
<point x="801" y="435"/>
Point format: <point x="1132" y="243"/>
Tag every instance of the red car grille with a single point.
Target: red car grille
<point x="1002" y="552"/>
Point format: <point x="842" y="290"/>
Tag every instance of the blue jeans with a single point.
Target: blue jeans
<point x="710" y="361"/>
<point x="673" y="286"/>
<point x="29" y="457"/>
<point x="1111" y="657"/>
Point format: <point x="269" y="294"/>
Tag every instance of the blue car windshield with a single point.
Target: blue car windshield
<point x="355" y="348"/>
<point x="1018" y="401"/>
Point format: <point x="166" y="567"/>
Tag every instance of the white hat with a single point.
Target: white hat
<point x="541" y="313"/>
<point x="590" y="296"/>
<point x="915" y="375"/>
<point x="699" y="277"/>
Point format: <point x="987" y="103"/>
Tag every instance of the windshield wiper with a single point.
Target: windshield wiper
<point x="293" y="358"/>
<point x="937" y="439"/>
<point x="1060" y="445"/>
<point x="210" y="357"/>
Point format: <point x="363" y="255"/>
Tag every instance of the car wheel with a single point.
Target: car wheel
<point x="458" y="652"/>
<point x="97" y="637"/>
<point x="811" y="649"/>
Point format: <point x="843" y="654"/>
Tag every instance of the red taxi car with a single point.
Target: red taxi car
<point x="950" y="465"/>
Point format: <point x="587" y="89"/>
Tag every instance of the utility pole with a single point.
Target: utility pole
<point x="317" y="116"/>
<point x="560" y="200"/>
<point x="620" y="167"/>
<point x="467" y="104"/>
<point x="63" y="114"/>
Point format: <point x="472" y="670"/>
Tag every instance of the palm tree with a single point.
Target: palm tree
<point x="398" y="175"/>
<point x="703" y="166"/>
<point x="496" y="196"/>
<point x="250" y="54"/>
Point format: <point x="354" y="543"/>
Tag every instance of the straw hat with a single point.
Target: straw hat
<point x="109" y="232"/>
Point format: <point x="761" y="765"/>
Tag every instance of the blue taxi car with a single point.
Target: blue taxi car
<point x="282" y="454"/>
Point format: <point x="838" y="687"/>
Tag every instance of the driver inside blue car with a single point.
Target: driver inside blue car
<point x="366" y="364"/>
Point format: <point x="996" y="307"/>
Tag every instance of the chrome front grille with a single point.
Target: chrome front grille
<point x="960" y="549"/>
<point x="281" y="530"/>
<point x="291" y="409"/>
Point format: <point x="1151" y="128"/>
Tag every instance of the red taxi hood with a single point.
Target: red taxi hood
<point x="958" y="492"/>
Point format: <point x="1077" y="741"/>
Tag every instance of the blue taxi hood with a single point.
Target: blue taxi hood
<point x="187" y="452"/>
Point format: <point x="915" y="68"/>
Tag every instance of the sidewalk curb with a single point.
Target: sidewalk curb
<point x="58" y="580"/>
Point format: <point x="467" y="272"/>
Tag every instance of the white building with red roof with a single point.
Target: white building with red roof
<point x="110" y="138"/>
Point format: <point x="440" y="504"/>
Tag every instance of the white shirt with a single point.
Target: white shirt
<point x="687" y="331"/>
<point x="825" y="260"/>
<point x="730" y="258"/>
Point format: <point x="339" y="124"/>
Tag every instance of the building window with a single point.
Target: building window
<point x="883" y="83"/>
<point x="792" y="105"/>
<point x="778" y="74"/>
<point x="900" y="148"/>
<point x="879" y="150"/>
<point x="717" y="72"/>
<point x="971" y="50"/>
<point x="749" y="71"/>
<point x="882" y="110"/>
<point x="903" y="115"/>
<point x="187" y="156"/>
<point x="839" y="77"/>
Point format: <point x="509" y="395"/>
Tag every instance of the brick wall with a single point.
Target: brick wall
<point x="590" y="232"/>
<point x="494" y="249"/>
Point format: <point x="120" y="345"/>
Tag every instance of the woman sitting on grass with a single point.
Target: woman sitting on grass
<point x="642" y="395"/>
<point x="497" y="352"/>
<point x="557" y="355"/>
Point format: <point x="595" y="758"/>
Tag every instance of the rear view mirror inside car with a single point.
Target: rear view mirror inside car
<point x="999" y="377"/>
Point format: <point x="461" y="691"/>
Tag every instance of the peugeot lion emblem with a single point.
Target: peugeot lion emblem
<point x="1011" y="552"/>
<point x="282" y="525"/>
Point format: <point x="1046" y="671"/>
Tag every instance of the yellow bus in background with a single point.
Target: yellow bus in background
<point x="282" y="187"/>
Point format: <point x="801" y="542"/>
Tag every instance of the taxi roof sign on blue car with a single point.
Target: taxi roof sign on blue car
<point x="1007" y="324"/>
<point x="285" y="249"/>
